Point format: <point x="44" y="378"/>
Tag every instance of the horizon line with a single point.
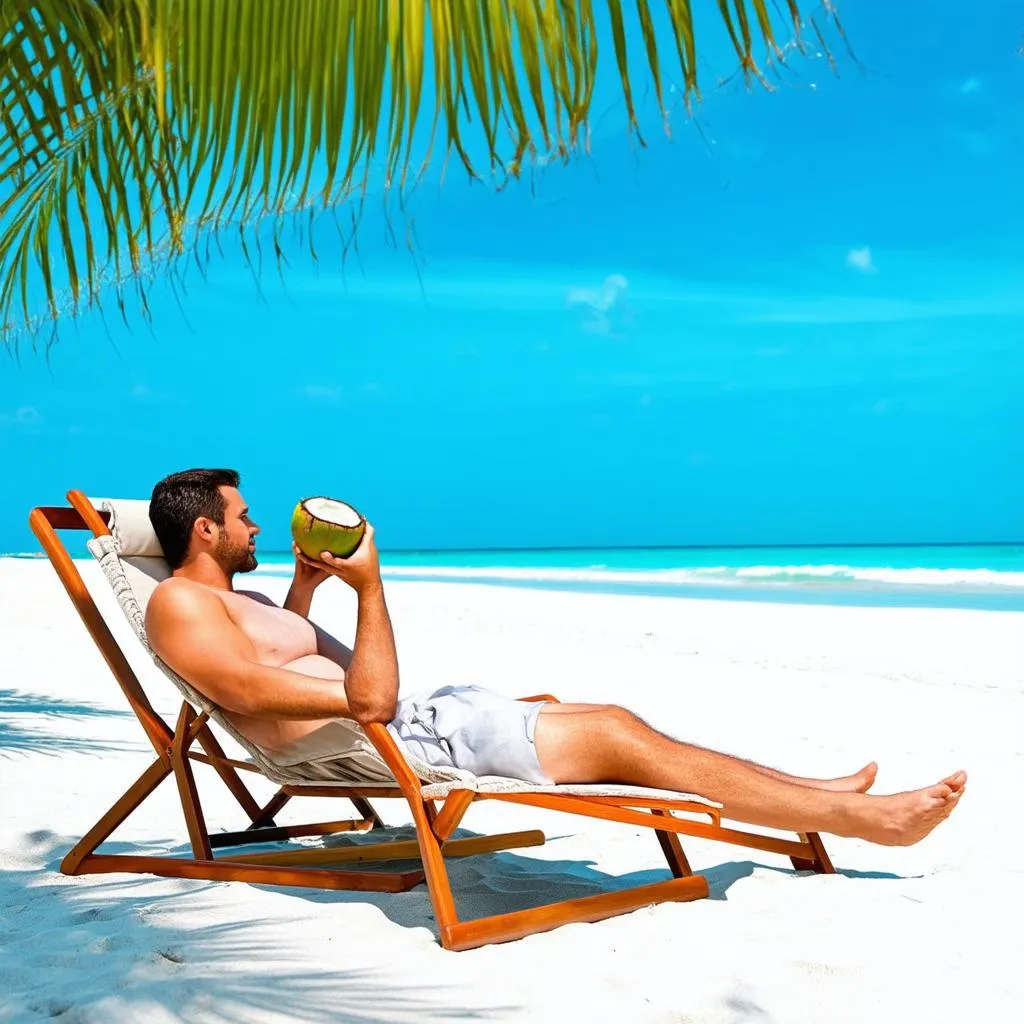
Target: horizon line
<point x="859" y="545"/>
<point x="687" y="547"/>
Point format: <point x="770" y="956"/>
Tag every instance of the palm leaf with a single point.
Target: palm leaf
<point x="133" y="132"/>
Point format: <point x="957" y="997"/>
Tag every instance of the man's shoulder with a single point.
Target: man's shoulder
<point x="179" y="585"/>
<point x="179" y="596"/>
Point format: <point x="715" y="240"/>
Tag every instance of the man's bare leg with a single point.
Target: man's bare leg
<point x="859" y="782"/>
<point x="607" y="744"/>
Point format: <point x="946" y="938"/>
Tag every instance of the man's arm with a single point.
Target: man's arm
<point x="308" y="576"/>
<point x="371" y="676"/>
<point x="191" y="631"/>
<point x="371" y="680"/>
<point x="299" y="598"/>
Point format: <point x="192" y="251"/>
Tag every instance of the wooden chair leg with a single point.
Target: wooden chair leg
<point x="436" y="872"/>
<point x="228" y="775"/>
<point x="452" y="812"/>
<point x="819" y="860"/>
<point x="265" y="817"/>
<point x="136" y="793"/>
<point x="365" y="808"/>
<point x="673" y="850"/>
<point x="190" y="805"/>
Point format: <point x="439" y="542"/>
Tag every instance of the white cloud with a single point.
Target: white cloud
<point x="860" y="259"/>
<point x="926" y="288"/>
<point x="601" y="301"/>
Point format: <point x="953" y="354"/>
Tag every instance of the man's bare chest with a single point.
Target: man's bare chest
<point x="278" y="635"/>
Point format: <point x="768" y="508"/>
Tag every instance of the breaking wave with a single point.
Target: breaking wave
<point x="721" y="575"/>
<point x="726" y="575"/>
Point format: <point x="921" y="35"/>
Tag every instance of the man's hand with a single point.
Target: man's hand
<point x="308" y="574"/>
<point x="361" y="570"/>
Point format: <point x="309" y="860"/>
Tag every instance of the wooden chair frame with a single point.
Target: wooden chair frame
<point x="175" y="753"/>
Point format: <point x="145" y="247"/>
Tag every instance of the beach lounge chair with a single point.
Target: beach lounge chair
<point x="131" y="560"/>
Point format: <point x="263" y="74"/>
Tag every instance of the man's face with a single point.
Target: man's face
<point x="236" y="543"/>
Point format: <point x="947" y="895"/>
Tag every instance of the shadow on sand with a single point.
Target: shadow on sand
<point x="23" y="721"/>
<point x="128" y="949"/>
<point x="229" y="970"/>
<point x="723" y="876"/>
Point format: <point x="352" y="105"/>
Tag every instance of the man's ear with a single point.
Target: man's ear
<point x="204" y="529"/>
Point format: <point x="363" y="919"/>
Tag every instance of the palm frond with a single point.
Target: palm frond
<point x="134" y="131"/>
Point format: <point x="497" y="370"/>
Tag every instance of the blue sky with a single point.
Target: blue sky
<point x="801" y="323"/>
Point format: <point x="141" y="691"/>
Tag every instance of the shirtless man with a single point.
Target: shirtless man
<point x="281" y="681"/>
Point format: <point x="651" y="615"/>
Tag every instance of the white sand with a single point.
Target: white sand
<point x="927" y="933"/>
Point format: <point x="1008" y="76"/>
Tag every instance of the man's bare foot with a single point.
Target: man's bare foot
<point x="956" y="781"/>
<point x="906" y="818"/>
<point x="859" y="782"/>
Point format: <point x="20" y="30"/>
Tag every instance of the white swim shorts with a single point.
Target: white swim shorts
<point x="474" y="729"/>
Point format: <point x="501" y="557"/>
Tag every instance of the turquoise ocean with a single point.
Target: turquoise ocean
<point x="980" y="576"/>
<point x="985" y="576"/>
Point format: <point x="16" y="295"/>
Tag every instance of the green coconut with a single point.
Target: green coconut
<point x="326" y="524"/>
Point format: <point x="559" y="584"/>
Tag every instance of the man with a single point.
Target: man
<point x="284" y="683"/>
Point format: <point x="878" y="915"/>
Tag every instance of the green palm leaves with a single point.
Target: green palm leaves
<point x="133" y="131"/>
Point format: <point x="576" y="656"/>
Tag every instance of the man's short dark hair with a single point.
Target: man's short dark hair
<point x="179" y="500"/>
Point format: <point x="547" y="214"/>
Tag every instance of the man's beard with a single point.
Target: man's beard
<point x="235" y="558"/>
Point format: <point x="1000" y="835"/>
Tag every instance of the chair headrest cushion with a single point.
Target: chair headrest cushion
<point x="130" y="525"/>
